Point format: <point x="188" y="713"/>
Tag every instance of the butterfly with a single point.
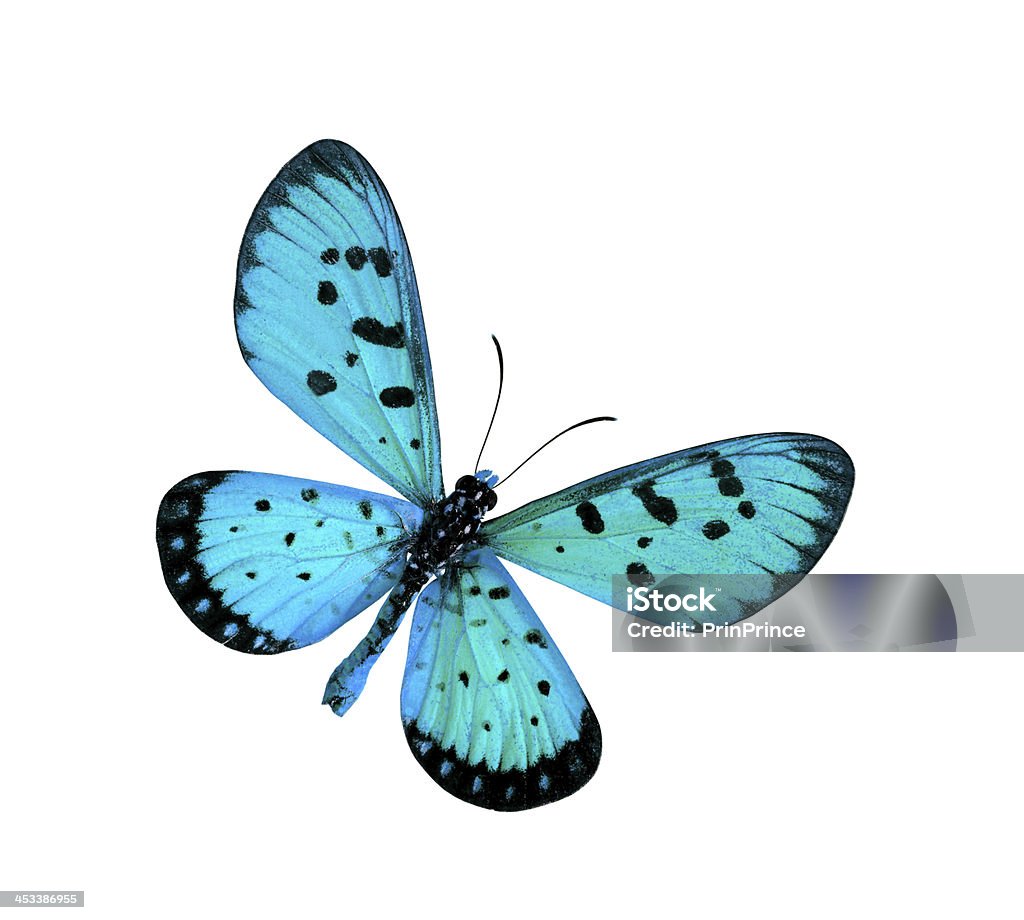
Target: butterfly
<point x="328" y="317"/>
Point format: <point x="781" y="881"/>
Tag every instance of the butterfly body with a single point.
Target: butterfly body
<point x="443" y="537"/>
<point x="328" y="317"/>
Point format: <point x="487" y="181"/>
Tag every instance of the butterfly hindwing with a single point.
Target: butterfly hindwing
<point x="265" y="563"/>
<point x="765" y="505"/>
<point x="328" y="316"/>
<point x="490" y="708"/>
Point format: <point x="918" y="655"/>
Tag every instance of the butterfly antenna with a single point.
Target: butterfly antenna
<point x="589" y="421"/>
<point x="501" y="380"/>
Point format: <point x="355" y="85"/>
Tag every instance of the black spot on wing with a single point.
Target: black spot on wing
<point x="330" y="256"/>
<point x="397" y="397"/>
<point x="639" y="574"/>
<point x="381" y="260"/>
<point x="713" y="530"/>
<point x="355" y="256"/>
<point x="746" y="509"/>
<point x="730" y="487"/>
<point x="327" y="293"/>
<point x="535" y="637"/>
<point x="548" y="780"/>
<point x="310" y="495"/>
<point x="644" y="542"/>
<point x="659" y="507"/>
<point x="321" y="383"/>
<point x="350" y="358"/>
<point x="728" y="484"/>
<point x="372" y="330"/>
<point x="262" y="505"/>
<point x="590" y="517"/>
<point x="498" y="594"/>
<point x="365" y="509"/>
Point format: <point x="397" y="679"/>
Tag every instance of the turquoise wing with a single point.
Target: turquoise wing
<point x="490" y="708"/>
<point x="328" y="316"/>
<point x="766" y="505"/>
<point x="265" y="563"/>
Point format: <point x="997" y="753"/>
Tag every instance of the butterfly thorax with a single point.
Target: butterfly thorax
<point x="453" y="524"/>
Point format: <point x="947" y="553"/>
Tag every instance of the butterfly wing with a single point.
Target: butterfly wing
<point x="265" y="563"/>
<point x="490" y="708"/>
<point x="766" y="505"/>
<point x="328" y="316"/>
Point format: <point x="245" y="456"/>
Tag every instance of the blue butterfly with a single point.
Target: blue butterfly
<point x="328" y="317"/>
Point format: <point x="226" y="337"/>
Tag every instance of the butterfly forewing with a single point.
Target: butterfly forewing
<point x="328" y="316"/>
<point x="265" y="563"/>
<point x="764" y="505"/>
<point x="491" y="710"/>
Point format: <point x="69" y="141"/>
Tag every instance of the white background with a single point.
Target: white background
<point x="706" y="219"/>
